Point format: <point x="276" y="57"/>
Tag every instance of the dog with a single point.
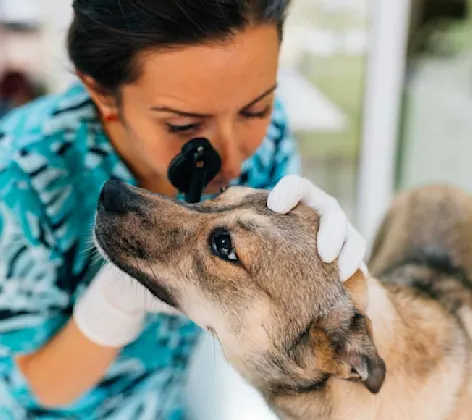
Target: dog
<point x="393" y="344"/>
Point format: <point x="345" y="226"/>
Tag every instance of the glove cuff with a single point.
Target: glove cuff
<point x="103" y="321"/>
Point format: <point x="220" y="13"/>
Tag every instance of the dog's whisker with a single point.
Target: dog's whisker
<point x="96" y="258"/>
<point x="86" y="251"/>
<point x="152" y="271"/>
<point x="90" y="243"/>
<point x="137" y="264"/>
<point x="89" y="252"/>
<point x="269" y="335"/>
<point x="214" y="360"/>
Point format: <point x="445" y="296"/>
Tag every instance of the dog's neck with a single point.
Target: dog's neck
<point x="393" y="335"/>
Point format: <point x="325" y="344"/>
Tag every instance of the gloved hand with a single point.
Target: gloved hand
<point x="112" y="310"/>
<point x="337" y="238"/>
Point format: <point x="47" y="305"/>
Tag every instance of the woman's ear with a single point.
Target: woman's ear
<point x="103" y="99"/>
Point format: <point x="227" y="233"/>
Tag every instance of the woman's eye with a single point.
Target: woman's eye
<point x="222" y="246"/>
<point x="257" y="114"/>
<point x="181" y="128"/>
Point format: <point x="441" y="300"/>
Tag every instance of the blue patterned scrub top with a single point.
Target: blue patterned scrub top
<point x="54" y="159"/>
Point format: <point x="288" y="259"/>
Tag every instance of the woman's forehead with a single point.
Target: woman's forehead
<point x="211" y="75"/>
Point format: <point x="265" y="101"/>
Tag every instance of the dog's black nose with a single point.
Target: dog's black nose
<point x="115" y="197"/>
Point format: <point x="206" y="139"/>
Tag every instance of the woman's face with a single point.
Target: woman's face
<point x="221" y="91"/>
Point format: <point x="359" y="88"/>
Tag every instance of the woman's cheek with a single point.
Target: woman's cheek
<point x="254" y="136"/>
<point x="159" y="151"/>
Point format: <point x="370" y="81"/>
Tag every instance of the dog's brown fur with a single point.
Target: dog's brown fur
<point x="396" y="348"/>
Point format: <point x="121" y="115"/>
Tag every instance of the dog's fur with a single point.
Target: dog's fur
<point x="397" y="348"/>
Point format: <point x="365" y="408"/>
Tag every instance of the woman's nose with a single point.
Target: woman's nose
<point x="231" y="155"/>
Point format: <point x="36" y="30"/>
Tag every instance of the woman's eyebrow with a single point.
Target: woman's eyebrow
<point x="260" y="97"/>
<point x="199" y="115"/>
<point x="179" y="112"/>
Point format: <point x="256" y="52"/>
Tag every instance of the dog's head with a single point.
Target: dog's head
<point x="250" y="276"/>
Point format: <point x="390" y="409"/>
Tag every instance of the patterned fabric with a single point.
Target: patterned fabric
<point x="54" y="159"/>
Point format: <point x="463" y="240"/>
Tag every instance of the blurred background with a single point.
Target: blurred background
<point x="378" y="92"/>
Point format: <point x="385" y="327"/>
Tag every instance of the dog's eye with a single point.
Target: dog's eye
<point x="223" y="189"/>
<point x="222" y="246"/>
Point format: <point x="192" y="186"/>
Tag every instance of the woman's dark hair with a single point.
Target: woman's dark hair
<point x="106" y="35"/>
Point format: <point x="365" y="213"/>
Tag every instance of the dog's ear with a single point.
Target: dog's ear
<point x="341" y="346"/>
<point x="348" y="354"/>
<point x="368" y="369"/>
<point x="359" y="350"/>
<point x="355" y="356"/>
<point x="340" y="342"/>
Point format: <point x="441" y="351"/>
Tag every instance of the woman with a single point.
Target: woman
<point x="154" y="74"/>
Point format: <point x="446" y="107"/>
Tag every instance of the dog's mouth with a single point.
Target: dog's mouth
<point x="151" y="283"/>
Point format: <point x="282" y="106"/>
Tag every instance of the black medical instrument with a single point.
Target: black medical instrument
<point x="193" y="168"/>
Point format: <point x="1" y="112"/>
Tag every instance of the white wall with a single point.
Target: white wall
<point x="384" y="84"/>
<point x="56" y="16"/>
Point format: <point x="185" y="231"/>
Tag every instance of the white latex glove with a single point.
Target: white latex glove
<point x="112" y="310"/>
<point x="337" y="238"/>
